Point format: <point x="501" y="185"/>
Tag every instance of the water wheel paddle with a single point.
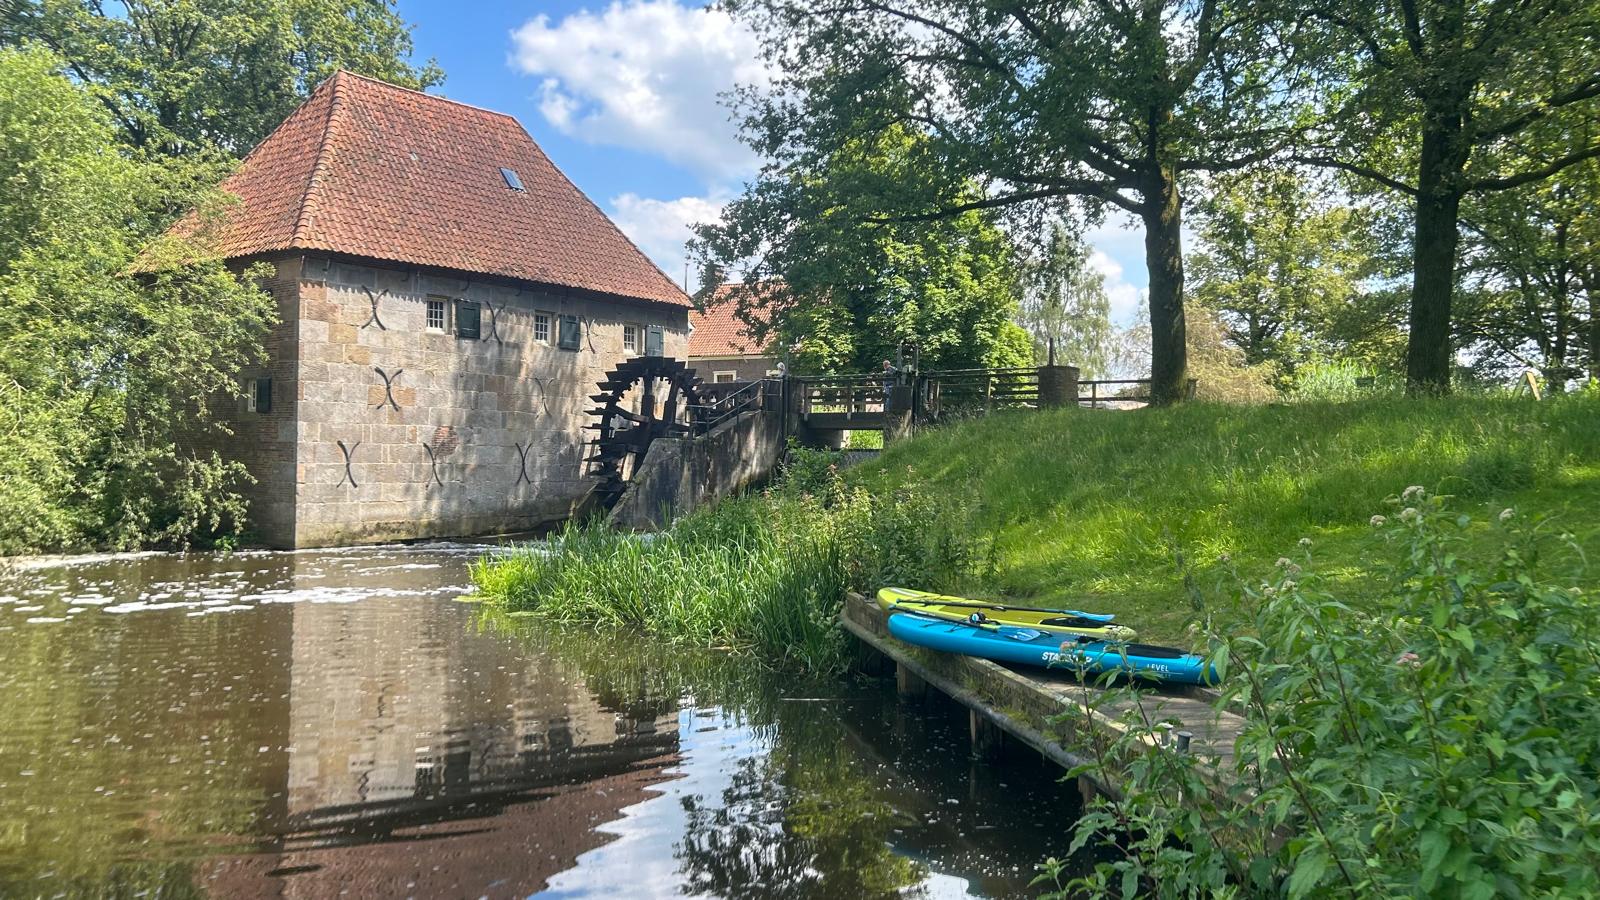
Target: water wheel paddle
<point x="642" y="399"/>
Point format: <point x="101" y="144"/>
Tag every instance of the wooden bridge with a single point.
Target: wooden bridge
<point x="882" y="402"/>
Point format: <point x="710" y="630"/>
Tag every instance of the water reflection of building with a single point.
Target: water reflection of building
<point x="429" y="760"/>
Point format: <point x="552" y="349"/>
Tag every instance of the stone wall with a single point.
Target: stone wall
<point x="266" y="442"/>
<point x="745" y="368"/>
<point x="445" y="436"/>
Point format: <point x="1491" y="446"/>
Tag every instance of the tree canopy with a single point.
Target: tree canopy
<point x="185" y="75"/>
<point x="1022" y="106"/>
<point x="104" y="371"/>
<point x="1292" y="273"/>
<point x="1441" y="100"/>
<point x="857" y="284"/>
<point x="1064" y="305"/>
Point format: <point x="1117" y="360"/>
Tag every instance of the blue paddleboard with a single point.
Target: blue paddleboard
<point x="1036" y="648"/>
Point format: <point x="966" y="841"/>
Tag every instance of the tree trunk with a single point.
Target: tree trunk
<point x="1589" y="277"/>
<point x="1594" y="336"/>
<point x="1429" y="353"/>
<point x="1163" y="255"/>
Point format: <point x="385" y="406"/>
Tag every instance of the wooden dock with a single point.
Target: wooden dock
<point x="1026" y="703"/>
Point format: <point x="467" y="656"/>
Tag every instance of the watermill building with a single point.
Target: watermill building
<point x="447" y="299"/>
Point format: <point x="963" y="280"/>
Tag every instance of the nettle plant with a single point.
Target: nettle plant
<point x="1444" y="742"/>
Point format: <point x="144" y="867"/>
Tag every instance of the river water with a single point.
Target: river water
<point x="341" y="723"/>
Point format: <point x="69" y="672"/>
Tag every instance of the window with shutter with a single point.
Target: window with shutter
<point x="654" y="342"/>
<point x="258" y="395"/>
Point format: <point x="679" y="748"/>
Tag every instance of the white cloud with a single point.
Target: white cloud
<point x="1126" y="299"/>
<point x="660" y="227"/>
<point x="646" y="74"/>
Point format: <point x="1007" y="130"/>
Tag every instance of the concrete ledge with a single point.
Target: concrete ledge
<point x="679" y="475"/>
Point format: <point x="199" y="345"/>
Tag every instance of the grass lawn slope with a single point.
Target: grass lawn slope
<point x="1112" y="511"/>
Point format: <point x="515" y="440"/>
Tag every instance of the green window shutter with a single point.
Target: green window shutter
<point x="468" y="319"/>
<point x="571" y="336"/>
<point x="655" y="342"/>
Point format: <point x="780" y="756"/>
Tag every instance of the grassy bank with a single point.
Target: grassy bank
<point x="1127" y="512"/>
<point x="1142" y="513"/>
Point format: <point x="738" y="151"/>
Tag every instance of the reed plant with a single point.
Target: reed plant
<point x="764" y="574"/>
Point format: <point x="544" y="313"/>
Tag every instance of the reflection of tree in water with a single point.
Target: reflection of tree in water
<point x="798" y="822"/>
<point x="133" y="739"/>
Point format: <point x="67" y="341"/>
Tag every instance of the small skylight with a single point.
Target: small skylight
<point x="512" y="181"/>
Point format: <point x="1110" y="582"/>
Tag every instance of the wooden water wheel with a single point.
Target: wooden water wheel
<point x="642" y="399"/>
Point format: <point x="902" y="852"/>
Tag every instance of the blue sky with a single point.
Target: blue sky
<point x="623" y="96"/>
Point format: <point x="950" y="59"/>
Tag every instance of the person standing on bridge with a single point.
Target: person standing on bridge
<point x="890" y="376"/>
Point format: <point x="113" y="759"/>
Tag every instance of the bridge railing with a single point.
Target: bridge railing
<point x="721" y="405"/>
<point x="958" y="392"/>
<point x="1107" y="390"/>
<point x="847" y="395"/>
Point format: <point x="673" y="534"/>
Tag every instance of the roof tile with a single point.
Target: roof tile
<point x="370" y="169"/>
<point x="718" y="332"/>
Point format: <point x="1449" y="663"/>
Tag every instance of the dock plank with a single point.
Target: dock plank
<point x="1026" y="701"/>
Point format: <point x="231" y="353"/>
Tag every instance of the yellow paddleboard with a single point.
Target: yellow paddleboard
<point x="985" y="613"/>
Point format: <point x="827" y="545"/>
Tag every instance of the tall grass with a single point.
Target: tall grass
<point x="764" y="574"/>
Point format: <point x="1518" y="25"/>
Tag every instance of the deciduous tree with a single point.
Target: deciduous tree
<point x="104" y="373"/>
<point x="182" y="75"/>
<point x="1291" y="272"/>
<point x="1442" y="100"/>
<point x="1065" y="307"/>
<point x="1531" y="258"/>
<point x="1035" y="102"/>
<point x="856" y="284"/>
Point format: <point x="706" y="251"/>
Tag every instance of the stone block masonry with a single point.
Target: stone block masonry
<point x="442" y="435"/>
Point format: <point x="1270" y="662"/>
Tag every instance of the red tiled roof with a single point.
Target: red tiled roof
<point x="718" y="332"/>
<point x="370" y="169"/>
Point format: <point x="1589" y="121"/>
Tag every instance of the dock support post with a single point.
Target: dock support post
<point x="868" y="661"/>
<point x="987" y="738"/>
<point x="908" y="684"/>
<point x="1086" y="790"/>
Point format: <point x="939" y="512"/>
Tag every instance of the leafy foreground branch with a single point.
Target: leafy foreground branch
<point x="1448" y="746"/>
<point x="764" y="574"/>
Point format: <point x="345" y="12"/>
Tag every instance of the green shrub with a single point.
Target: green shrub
<point x="1446" y="746"/>
<point x="1343" y="379"/>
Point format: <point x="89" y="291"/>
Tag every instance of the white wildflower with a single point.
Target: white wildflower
<point x="1506" y="514"/>
<point x="1284" y="561"/>
<point x="1377" y="521"/>
<point x="1409" y="514"/>
<point x="1305" y="542"/>
<point x="1412" y="493"/>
